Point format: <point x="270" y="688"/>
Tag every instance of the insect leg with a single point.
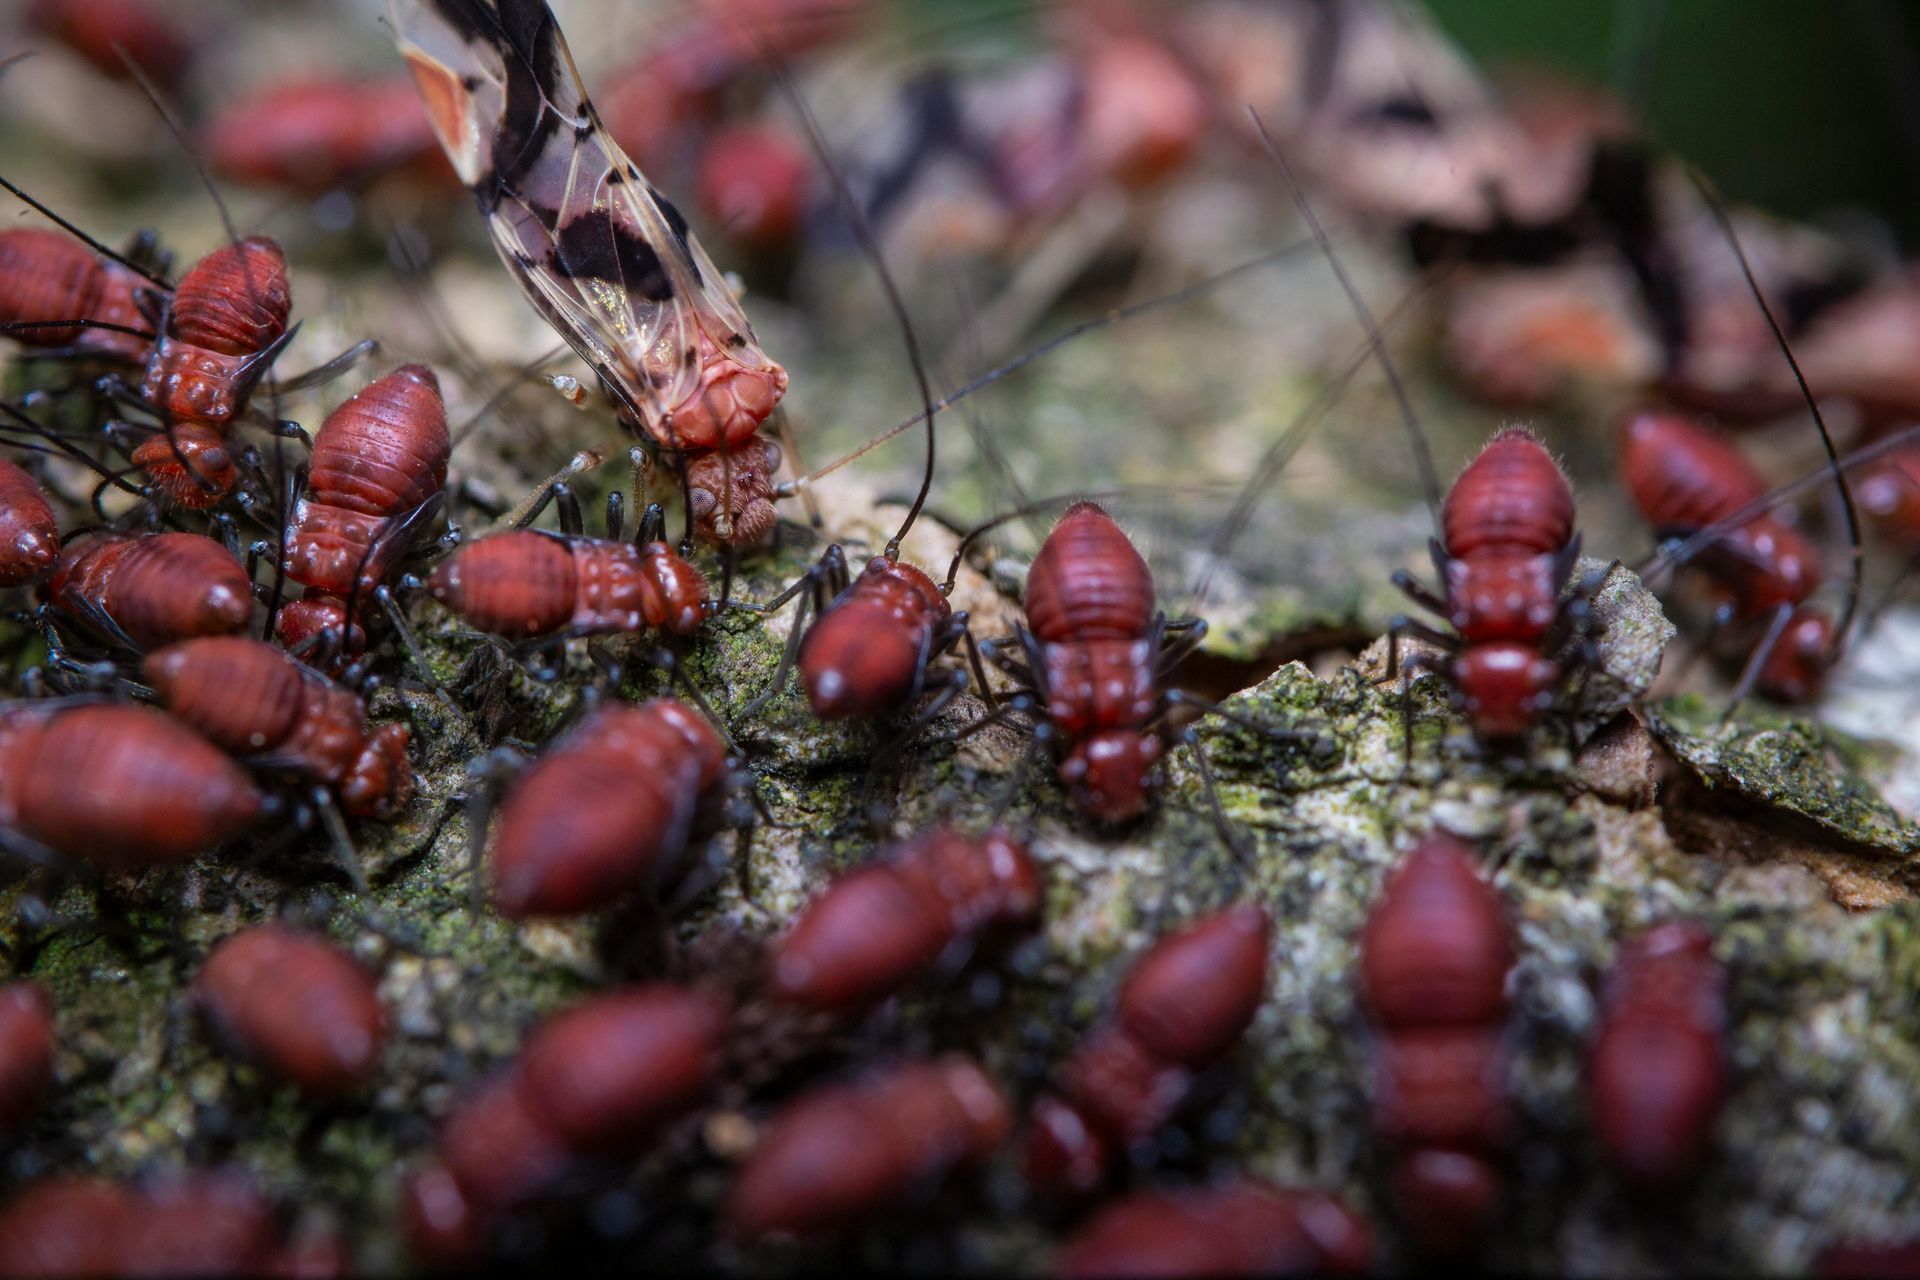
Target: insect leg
<point x="1418" y="592"/>
<point x="1776" y="627"/>
<point x="331" y="369"/>
<point x="329" y="813"/>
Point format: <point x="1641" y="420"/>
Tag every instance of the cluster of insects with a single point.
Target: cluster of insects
<point x="212" y="595"/>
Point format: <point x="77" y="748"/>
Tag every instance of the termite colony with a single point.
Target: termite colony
<point x="782" y="875"/>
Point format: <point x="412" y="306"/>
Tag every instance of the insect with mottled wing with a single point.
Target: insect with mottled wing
<point x="605" y="258"/>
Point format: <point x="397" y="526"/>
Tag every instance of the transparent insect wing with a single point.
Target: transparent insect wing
<point x="607" y="260"/>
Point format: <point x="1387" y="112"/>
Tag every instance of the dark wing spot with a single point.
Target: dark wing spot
<point x="736" y="340"/>
<point x="594" y="247"/>
<point x="677" y="223"/>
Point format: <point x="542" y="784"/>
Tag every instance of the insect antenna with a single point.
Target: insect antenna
<point x="1116" y="316"/>
<point x="56" y="442"/>
<point x="65" y="225"/>
<point x="1416" y="434"/>
<point x="1858" y="564"/>
<point x="179" y="133"/>
<point x="1281" y="451"/>
<point x="869" y="245"/>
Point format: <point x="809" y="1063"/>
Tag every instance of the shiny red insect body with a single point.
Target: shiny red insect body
<point x="1434" y="958"/>
<point x="26" y="1053"/>
<point x="29" y="534"/>
<point x="840" y="1154"/>
<point x="189" y="1224"/>
<point x="147" y="591"/>
<point x="312" y="136"/>
<point x="753" y="181"/>
<point x="599" y="1080"/>
<point x="1093" y="641"/>
<point x="866" y="655"/>
<point x="1238" y="1228"/>
<point x="378" y="461"/>
<point x="99" y="29"/>
<point x="1656" y="1075"/>
<point x="1185" y="1003"/>
<point x="297" y="1005"/>
<point x="223" y="329"/>
<point x="525" y="584"/>
<point x="599" y="813"/>
<point x="228" y="308"/>
<point x="880" y="927"/>
<point x="1889" y="491"/>
<point x="49" y="277"/>
<point x="1507" y="551"/>
<point x="117" y="787"/>
<point x="252" y="700"/>
<point x="1684" y="478"/>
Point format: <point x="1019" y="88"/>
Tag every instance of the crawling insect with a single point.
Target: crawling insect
<point x="919" y="1123"/>
<point x="1183" y="1006"/>
<point x="539" y="589"/>
<point x="378" y="468"/>
<point x="296" y="1004"/>
<point x="596" y="1081"/>
<point x="1505" y="560"/>
<point x="141" y="591"/>
<point x="878" y="928"/>
<point x="57" y="292"/>
<point x="1434" y="958"/>
<point x="116" y="787"/>
<point x="317" y="135"/>
<point x="1657" y="1069"/>
<point x="607" y="809"/>
<point x="256" y="703"/>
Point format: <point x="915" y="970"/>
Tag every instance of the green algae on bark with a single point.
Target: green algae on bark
<point x="1787" y="762"/>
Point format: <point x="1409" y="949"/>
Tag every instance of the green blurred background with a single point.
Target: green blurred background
<point x="1799" y="106"/>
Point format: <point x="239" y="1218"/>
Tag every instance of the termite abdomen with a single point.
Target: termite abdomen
<point x="500" y="1151"/>
<point x="1193" y="994"/>
<point x="203" y="1223"/>
<point x="839" y="1154"/>
<point x="1656" y="1075"/>
<point x="228" y="309"/>
<point x="251" y="699"/>
<point x="1434" y="959"/>
<point x="1239" y="1228"/>
<point x="29" y="534"/>
<point x="864" y="654"/>
<point x="591" y="820"/>
<point x="153" y="589"/>
<point x="62" y="1226"/>
<point x="608" y="1072"/>
<point x="880" y="927"/>
<point x="120" y="787"/>
<point x="1511" y="497"/>
<point x="26" y="1053"/>
<point x="523" y="584"/>
<point x="1183" y="1006"/>
<point x="296" y="1004"/>
<point x="376" y="459"/>
<point x="1088" y="582"/>
<point x="48" y="276"/>
<point x="1436" y="947"/>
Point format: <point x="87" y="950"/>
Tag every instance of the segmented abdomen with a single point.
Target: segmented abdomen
<point x="1682" y="476"/>
<point x="589" y="820"/>
<point x="157" y="588"/>
<point x="232" y="304"/>
<point x="119" y="787"/>
<point x="376" y="459"/>
<point x="861" y="658"/>
<point x="1511" y="497"/>
<point x="1088" y="582"/>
